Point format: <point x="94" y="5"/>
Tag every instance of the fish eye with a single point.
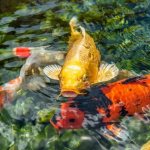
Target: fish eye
<point x="72" y="105"/>
<point x="72" y="120"/>
<point x="85" y="78"/>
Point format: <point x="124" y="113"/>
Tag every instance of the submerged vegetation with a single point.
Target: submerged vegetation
<point x="121" y="30"/>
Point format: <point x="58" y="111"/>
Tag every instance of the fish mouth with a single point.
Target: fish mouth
<point x="69" y="93"/>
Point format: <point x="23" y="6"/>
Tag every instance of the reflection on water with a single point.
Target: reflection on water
<point x="121" y="30"/>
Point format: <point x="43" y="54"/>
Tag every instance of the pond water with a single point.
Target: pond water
<point x="121" y="31"/>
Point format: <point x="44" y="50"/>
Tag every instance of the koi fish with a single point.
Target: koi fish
<point x="81" y="67"/>
<point x="31" y="74"/>
<point x="102" y="106"/>
<point x="38" y="56"/>
<point x="8" y="90"/>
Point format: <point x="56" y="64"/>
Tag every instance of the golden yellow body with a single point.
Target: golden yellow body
<point x="81" y="67"/>
<point x="81" y="64"/>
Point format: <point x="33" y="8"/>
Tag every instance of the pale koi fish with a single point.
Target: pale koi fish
<point x="31" y="74"/>
<point x="32" y="70"/>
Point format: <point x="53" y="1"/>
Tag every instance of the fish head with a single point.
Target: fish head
<point x="73" y="81"/>
<point x="68" y="117"/>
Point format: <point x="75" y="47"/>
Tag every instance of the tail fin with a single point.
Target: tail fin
<point x="34" y="83"/>
<point x="73" y="24"/>
<point x="9" y="89"/>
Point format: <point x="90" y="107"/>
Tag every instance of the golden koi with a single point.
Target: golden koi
<point x="82" y="66"/>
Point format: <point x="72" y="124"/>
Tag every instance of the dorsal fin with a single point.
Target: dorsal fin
<point x="75" y="34"/>
<point x="83" y="32"/>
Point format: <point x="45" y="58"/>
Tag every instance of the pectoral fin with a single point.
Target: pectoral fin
<point x="145" y="117"/>
<point x="116" y="132"/>
<point x="34" y="83"/>
<point x="126" y="74"/>
<point x="52" y="71"/>
<point x="107" y="72"/>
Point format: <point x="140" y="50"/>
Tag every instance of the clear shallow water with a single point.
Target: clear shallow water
<point x="121" y="30"/>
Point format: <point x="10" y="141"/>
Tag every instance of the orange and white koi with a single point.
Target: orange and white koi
<point x="101" y="108"/>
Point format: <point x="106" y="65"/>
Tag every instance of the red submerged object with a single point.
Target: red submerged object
<point x="22" y="52"/>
